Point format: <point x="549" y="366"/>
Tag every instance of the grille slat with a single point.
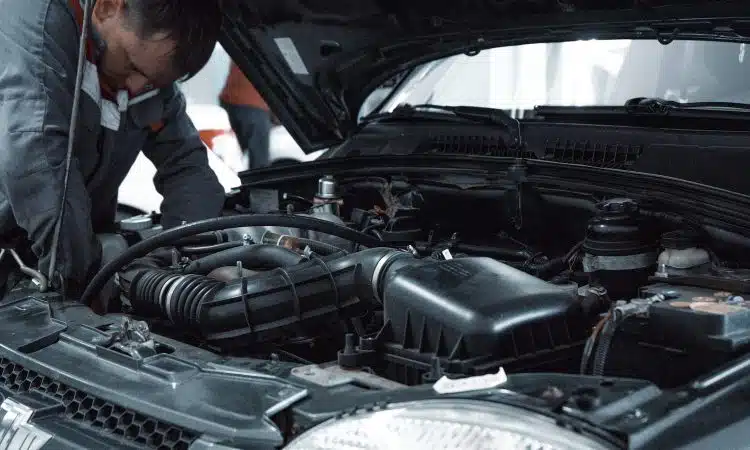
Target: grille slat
<point x="98" y="413"/>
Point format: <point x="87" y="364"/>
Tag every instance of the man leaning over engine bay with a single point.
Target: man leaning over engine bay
<point x="136" y="51"/>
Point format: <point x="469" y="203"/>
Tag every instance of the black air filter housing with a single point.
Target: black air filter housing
<point x="467" y="306"/>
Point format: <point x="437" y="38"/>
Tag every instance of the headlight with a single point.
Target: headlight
<point x="444" y="424"/>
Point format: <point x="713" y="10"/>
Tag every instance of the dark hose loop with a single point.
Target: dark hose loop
<point x="251" y="256"/>
<point x="168" y="237"/>
<point x="203" y="249"/>
<point x="213" y="238"/>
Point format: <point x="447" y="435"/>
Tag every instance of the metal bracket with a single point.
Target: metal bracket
<point x="36" y="277"/>
<point x="133" y="338"/>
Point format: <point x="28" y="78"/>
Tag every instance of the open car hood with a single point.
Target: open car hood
<point x="315" y="61"/>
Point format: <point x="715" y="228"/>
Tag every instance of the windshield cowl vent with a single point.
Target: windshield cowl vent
<point x="590" y="153"/>
<point x="474" y="145"/>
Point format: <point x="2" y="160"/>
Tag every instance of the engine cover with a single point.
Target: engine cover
<point x="466" y="307"/>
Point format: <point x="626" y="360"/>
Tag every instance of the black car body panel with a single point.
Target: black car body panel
<point x="316" y="61"/>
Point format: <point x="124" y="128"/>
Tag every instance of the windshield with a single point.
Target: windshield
<point x="582" y="73"/>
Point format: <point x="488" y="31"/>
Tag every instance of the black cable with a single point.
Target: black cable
<point x="373" y="226"/>
<point x="257" y="220"/>
<point x="212" y="238"/>
<point x="605" y="342"/>
<point x="298" y="198"/>
<point x="88" y="6"/>
<point x="572" y="252"/>
<point x="319" y="247"/>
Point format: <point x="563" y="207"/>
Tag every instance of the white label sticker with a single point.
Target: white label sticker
<point x="292" y="56"/>
<point x="447" y="386"/>
<point x="447" y="254"/>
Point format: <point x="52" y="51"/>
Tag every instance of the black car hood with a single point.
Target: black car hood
<point x="315" y="61"/>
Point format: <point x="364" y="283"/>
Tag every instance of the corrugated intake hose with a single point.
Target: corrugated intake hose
<point x="178" y="234"/>
<point x="266" y="305"/>
<point x="251" y="256"/>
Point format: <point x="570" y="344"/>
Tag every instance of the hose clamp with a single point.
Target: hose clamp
<point x="380" y="269"/>
<point x="170" y="293"/>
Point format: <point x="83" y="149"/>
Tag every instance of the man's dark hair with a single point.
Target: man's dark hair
<point x="193" y="24"/>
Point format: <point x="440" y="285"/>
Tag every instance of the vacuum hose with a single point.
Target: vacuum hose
<point x="251" y="256"/>
<point x="286" y="241"/>
<point x="266" y="305"/>
<point x="205" y="249"/>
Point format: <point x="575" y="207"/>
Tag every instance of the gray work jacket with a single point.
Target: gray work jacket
<point x="38" y="57"/>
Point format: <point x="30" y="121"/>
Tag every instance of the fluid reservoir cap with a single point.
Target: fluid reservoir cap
<point x="619" y="206"/>
<point x="327" y="187"/>
<point x="137" y="223"/>
<point x="616" y="230"/>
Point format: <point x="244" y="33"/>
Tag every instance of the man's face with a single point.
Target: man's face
<point x="131" y="62"/>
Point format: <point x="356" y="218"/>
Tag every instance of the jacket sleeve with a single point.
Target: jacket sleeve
<point x="189" y="186"/>
<point x="36" y="84"/>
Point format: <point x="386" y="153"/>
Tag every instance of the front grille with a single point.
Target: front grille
<point x="97" y="413"/>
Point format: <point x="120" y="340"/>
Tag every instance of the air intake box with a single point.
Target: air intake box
<point x="469" y="306"/>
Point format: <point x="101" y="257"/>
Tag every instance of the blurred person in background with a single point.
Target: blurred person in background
<point x="249" y="117"/>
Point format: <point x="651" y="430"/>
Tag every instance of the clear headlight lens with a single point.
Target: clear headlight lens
<point x="444" y="424"/>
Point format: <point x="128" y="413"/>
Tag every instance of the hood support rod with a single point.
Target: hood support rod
<point x="88" y="6"/>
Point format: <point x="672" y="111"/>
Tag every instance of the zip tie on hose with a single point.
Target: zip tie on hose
<point x="297" y="303"/>
<point x="317" y="259"/>
<point x="243" y="294"/>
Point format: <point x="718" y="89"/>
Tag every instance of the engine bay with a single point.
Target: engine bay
<point x="329" y="296"/>
<point x="435" y="285"/>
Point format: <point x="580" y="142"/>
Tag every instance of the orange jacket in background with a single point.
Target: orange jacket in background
<point x="238" y="90"/>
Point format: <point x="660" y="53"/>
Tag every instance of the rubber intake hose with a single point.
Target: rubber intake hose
<point x="213" y="248"/>
<point x="251" y="256"/>
<point x="264" y="306"/>
<point x="213" y="238"/>
<point x="169" y="237"/>
<point x="493" y="252"/>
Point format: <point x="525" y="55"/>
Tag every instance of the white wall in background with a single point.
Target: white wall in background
<point x="204" y="88"/>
